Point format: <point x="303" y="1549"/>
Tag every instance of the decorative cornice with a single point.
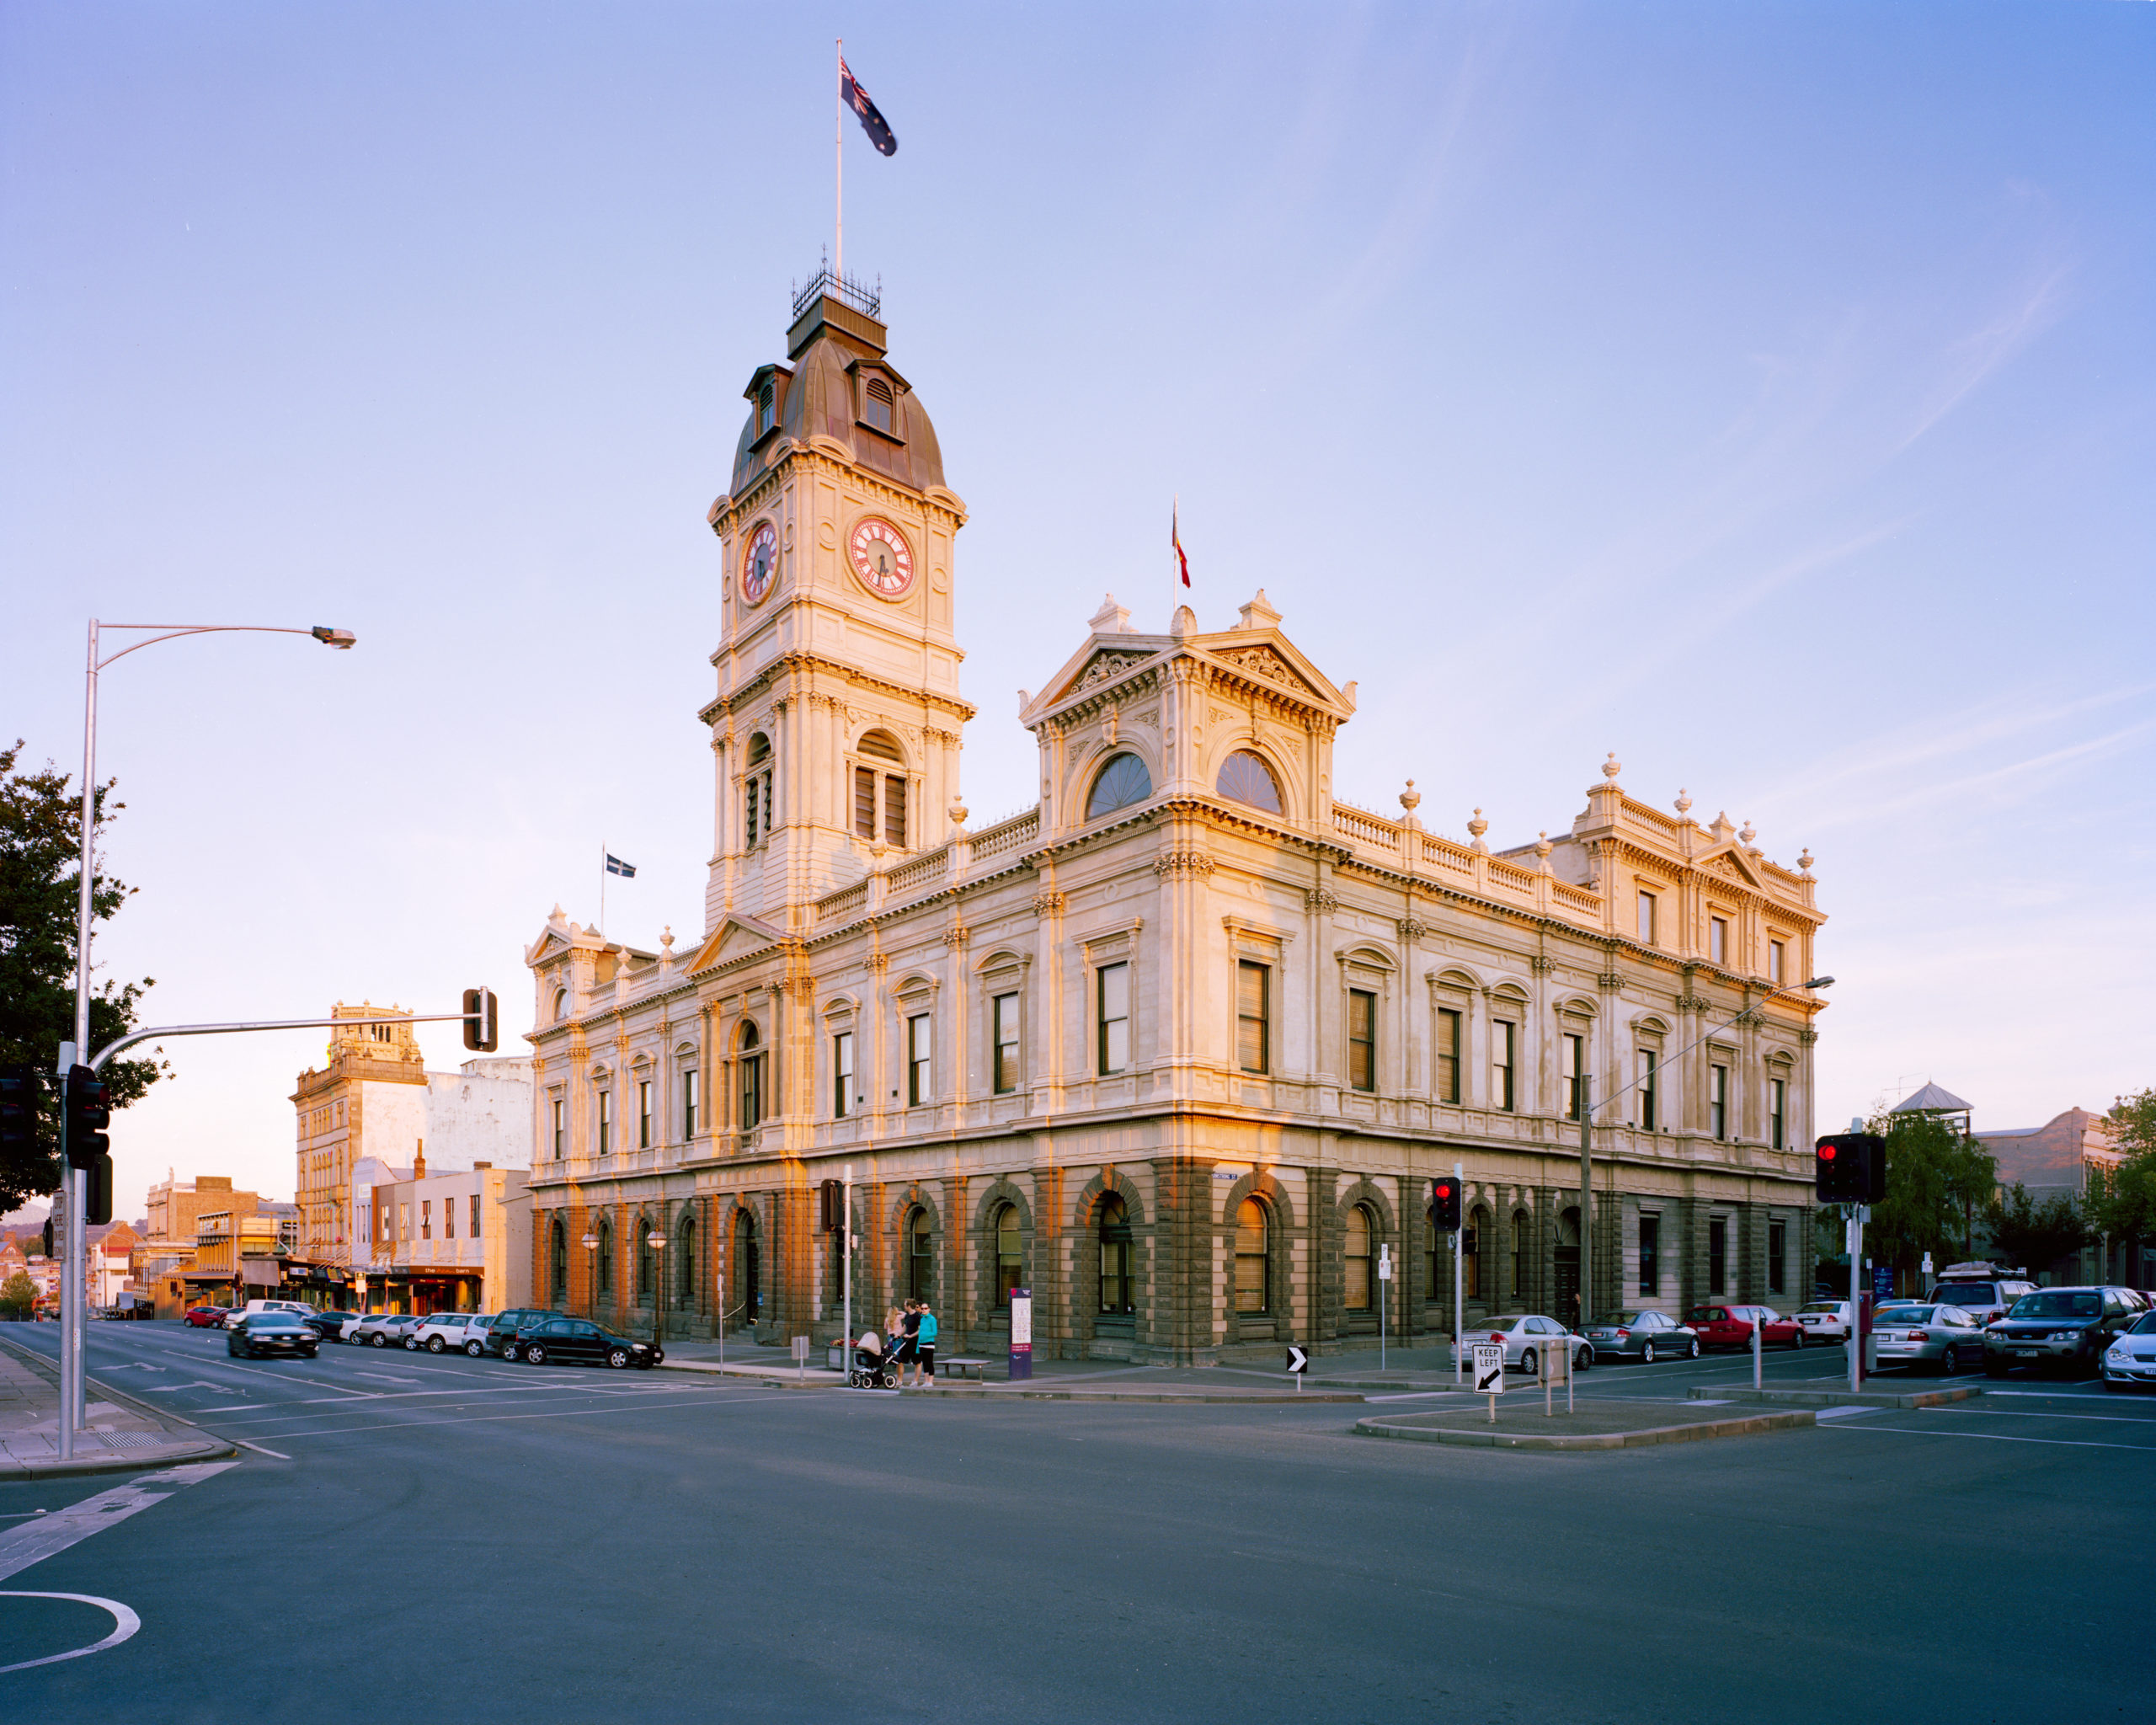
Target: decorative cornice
<point x="957" y="938"/>
<point x="1051" y="904"/>
<point x="1807" y="1037"/>
<point x="1173" y="864"/>
<point x="1408" y="928"/>
<point x="1612" y="980"/>
<point x="1693" y="1003"/>
<point x="1320" y="902"/>
<point x="1541" y="963"/>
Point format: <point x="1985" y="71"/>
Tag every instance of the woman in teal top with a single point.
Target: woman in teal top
<point x="925" y="1345"/>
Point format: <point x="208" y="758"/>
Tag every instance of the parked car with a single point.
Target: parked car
<point x="567" y="1341"/>
<point x="2131" y="1358"/>
<point x="1942" y="1334"/>
<point x="2059" y="1329"/>
<point x="1825" y="1321"/>
<point x="380" y="1329"/>
<point x="330" y="1325"/>
<point x="502" y="1332"/>
<point x="1731" y="1326"/>
<point x="1526" y="1336"/>
<point x="1652" y="1335"/>
<point x="1983" y="1290"/>
<point x="205" y="1317"/>
<point x="270" y="1332"/>
<point x="444" y="1331"/>
<point x="297" y="1308"/>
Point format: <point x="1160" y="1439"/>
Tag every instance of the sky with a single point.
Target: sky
<point x="1762" y="393"/>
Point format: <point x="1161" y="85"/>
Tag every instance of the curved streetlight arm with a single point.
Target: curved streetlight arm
<point x="155" y="1033"/>
<point x="1716" y="1029"/>
<point x="321" y="631"/>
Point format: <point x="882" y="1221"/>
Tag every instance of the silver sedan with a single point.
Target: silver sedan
<point x="1943" y="1336"/>
<point x="1526" y="1337"/>
<point x="1650" y="1335"/>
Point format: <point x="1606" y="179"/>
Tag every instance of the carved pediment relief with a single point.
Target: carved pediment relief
<point x="1107" y="668"/>
<point x="1262" y="661"/>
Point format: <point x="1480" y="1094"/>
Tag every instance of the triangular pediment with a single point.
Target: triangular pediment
<point x="735" y="937"/>
<point x="1263" y="661"/>
<point x="1733" y="864"/>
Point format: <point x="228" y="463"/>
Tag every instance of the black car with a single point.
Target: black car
<point x="568" y="1341"/>
<point x="2059" y="1329"/>
<point x="270" y="1332"/>
<point x="502" y="1333"/>
<point x="328" y="1325"/>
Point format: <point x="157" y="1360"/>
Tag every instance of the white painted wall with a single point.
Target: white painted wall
<point x="481" y="1112"/>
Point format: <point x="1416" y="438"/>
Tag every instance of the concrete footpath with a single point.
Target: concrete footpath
<point x="123" y="1433"/>
<point x="1602" y="1423"/>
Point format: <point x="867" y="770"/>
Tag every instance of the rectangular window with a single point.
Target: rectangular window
<point x="1718" y="1256"/>
<point x="1112" y="1013"/>
<point x="1775" y="962"/>
<point x="1575" y="1055"/>
<point x="752" y="1092"/>
<point x="561" y="1129"/>
<point x="1777" y="1255"/>
<point x="1646" y="919"/>
<point x="1651" y="1255"/>
<point x="749" y="804"/>
<point x="841" y="1074"/>
<point x="1447" y="1055"/>
<point x="1253" y="1025"/>
<point x="1471" y="1263"/>
<point x="864" y="803"/>
<point x="1648" y="1061"/>
<point x="449" y="1219"/>
<point x="426" y="1219"/>
<point x="689" y="1103"/>
<point x="473" y="1232"/>
<point x="1502" y="1040"/>
<point x="894" y="810"/>
<point x="644" y="1114"/>
<point x="921" y="1055"/>
<point x="605" y="1121"/>
<point x="1717" y="940"/>
<point x="1362" y="1039"/>
<point x="1718" y="1101"/>
<point x="1003" y="1028"/>
<point x="1777" y="1099"/>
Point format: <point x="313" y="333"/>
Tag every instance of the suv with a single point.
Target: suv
<point x="1983" y="1290"/>
<point x="2062" y="1328"/>
<point x="446" y="1330"/>
<point x="501" y="1334"/>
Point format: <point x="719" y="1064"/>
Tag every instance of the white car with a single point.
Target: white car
<point x="446" y="1331"/>
<point x="1525" y="1337"/>
<point x="1825" y="1321"/>
<point x="293" y="1306"/>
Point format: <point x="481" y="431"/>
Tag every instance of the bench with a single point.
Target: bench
<point x="958" y="1364"/>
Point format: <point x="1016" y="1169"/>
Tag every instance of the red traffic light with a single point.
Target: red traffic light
<point x="1826" y="1152"/>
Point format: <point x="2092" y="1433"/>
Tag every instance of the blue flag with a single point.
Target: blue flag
<point x="615" y="865"/>
<point x="872" y="122"/>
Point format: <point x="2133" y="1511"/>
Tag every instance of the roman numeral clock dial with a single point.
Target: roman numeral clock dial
<point x="759" y="563"/>
<point x="881" y="558"/>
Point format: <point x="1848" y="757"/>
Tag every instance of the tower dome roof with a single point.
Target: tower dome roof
<point x="836" y="384"/>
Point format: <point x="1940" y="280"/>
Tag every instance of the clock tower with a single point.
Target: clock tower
<point x="835" y="732"/>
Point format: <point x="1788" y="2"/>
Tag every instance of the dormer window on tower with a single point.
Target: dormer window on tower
<point x="757" y="793"/>
<point x="766" y="407"/>
<point x="877" y="404"/>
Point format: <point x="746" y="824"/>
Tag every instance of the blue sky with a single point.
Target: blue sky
<point x="1761" y="392"/>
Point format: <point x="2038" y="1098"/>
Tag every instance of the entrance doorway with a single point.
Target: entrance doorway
<point x="1566" y="1310"/>
<point x="744" y="1298"/>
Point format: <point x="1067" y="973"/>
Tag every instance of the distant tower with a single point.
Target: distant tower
<point x="836" y="729"/>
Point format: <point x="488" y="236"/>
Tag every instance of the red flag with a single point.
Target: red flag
<point x="1175" y="539"/>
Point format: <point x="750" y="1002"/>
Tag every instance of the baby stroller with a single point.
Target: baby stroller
<point x="873" y="1368"/>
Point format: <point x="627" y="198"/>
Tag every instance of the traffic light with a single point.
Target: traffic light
<point x="834" y="1207"/>
<point x="97" y="1184"/>
<point x="19" y="1095"/>
<point x="1444" y="1204"/>
<point x="90" y="1112"/>
<point x="482" y="1029"/>
<point x="1851" y="1168"/>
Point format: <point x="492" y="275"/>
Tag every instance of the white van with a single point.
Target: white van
<point x="253" y="1307"/>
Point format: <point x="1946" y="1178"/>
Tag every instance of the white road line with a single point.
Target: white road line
<point x="236" y="1407"/>
<point x="391" y="1425"/>
<point x="256" y="1448"/>
<point x="124" y="1623"/>
<point x="1998" y="1438"/>
<point x="2032" y="1413"/>
<point x="55" y="1532"/>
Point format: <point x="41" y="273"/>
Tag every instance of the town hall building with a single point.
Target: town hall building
<point x="1180" y="1048"/>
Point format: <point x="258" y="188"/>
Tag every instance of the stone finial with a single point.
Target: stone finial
<point x="1804" y="859"/>
<point x="1183" y="622"/>
<point x="1111" y="619"/>
<point x="1612" y="768"/>
<point x="666" y="942"/>
<point x="1478" y="827"/>
<point x="1683" y="801"/>
<point x="557" y="914"/>
<point x="1410" y="800"/>
<point x="1258" y="614"/>
<point x="1025" y="699"/>
<point x="1749" y="833"/>
<point x="959" y="813"/>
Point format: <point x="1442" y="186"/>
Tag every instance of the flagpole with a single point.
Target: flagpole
<point x="1175" y="559"/>
<point x="602" y="889"/>
<point x="838" y="167"/>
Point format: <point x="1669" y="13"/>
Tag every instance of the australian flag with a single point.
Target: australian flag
<point x="615" y="865"/>
<point x="872" y="122"/>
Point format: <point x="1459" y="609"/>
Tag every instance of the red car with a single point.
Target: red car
<point x="1731" y="1326"/>
<point x="206" y="1318"/>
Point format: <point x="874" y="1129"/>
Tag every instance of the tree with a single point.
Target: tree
<point x="40" y="815"/>
<point x="1937" y="1179"/>
<point x="18" y="1295"/>
<point x="2122" y="1207"/>
<point x="2033" y="1236"/>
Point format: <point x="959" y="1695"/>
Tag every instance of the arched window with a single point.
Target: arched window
<point x="558" y="1261"/>
<point x="684" y="1263"/>
<point x="876" y="404"/>
<point x="1357" y="1297"/>
<point x="561" y="1004"/>
<point x="750" y="1044"/>
<point x="1523" y="1238"/>
<point x="1246" y="778"/>
<point x="1115" y="1258"/>
<point x="1253" y="1257"/>
<point x="921" y="1257"/>
<point x="746" y="1298"/>
<point x="646" y="1286"/>
<point x="1120" y="784"/>
<point x="1470" y="1253"/>
<point x="1010" y="1264"/>
<point x="605" y="1278"/>
<point x="756" y="792"/>
<point x="879" y="796"/>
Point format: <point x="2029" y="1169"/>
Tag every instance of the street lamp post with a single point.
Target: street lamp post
<point x="657" y="1241"/>
<point x="591" y="1279"/>
<point x="74" y="1184"/>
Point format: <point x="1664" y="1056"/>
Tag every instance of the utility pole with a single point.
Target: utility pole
<point x="1587" y="1194"/>
<point x="1459" y="1321"/>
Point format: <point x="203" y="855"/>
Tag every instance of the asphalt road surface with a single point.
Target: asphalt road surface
<point x="440" y="1538"/>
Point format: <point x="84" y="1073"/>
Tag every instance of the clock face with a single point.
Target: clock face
<point x="759" y="563"/>
<point x="881" y="558"/>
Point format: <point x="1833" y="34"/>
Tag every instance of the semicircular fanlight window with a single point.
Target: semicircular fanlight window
<point x="1246" y="778"/>
<point x="1122" y="782"/>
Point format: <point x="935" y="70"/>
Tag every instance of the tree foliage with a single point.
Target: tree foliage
<point x="2123" y="1207"/>
<point x="1939" y="1183"/>
<point x="40" y="815"/>
<point x="18" y="1294"/>
<point x="2034" y="1236"/>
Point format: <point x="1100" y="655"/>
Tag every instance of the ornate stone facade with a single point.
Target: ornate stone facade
<point x="1181" y="1047"/>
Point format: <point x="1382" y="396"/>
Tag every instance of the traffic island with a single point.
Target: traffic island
<point x="1602" y="1424"/>
<point x="1844" y="1398"/>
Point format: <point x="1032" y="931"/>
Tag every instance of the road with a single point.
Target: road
<point x="444" y="1538"/>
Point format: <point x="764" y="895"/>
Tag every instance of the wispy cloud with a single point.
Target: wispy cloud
<point x="1977" y="356"/>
